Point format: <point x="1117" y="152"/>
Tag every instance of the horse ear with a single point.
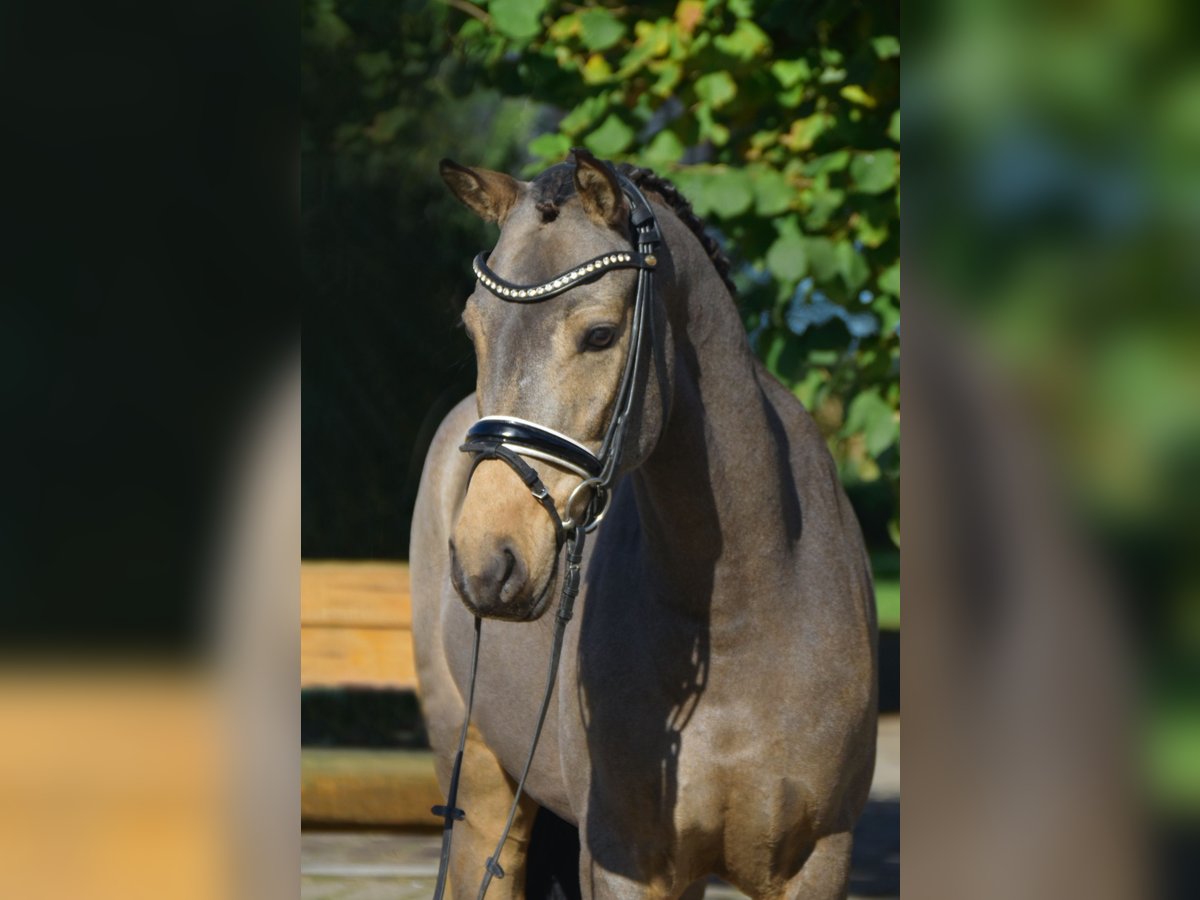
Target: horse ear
<point x="490" y="195"/>
<point x="598" y="190"/>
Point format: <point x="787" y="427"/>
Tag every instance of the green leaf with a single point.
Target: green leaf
<point x="669" y="75"/>
<point x="787" y="259"/>
<point x="889" y="280"/>
<point x="519" y="19"/>
<point x="886" y="46"/>
<point x="743" y="9"/>
<point x="596" y="70"/>
<point x="875" y="171"/>
<point x="564" y="28"/>
<point x="601" y="29"/>
<point x="710" y="129"/>
<point x="822" y="258"/>
<point x="745" y="42"/>
<point x="550" y="146"/>
<point x="871" y="415"/>
<point x="716" y="88"/>
<point x="790" y="72"/>
<point x="856" y="93"/>
<point x="824" y="202"/>
<point x="893" y="130"/>
<point x="613" y="137"/>
<point x="772" y="192"/>
<point x="870" y="232"/>
<point x="851" y="265"/>
<point x="663" y="150"/>
<point x="830" y="162"/>
<point x="583" y="115"/>
<point x="730" y="193"/>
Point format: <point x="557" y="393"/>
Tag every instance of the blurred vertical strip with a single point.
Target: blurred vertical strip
<point x="149" y="451"/>
<point x="1052" y="216"/>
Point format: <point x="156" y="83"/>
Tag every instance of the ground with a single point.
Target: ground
<point x="381" y="865"/>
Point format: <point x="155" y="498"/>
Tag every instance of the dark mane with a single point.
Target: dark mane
<point x="553" y="186"/>
<point x="648" y="180"/>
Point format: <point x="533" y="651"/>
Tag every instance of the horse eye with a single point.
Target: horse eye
<point x="600" y="337"/>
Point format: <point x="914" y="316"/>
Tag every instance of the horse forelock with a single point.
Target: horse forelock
<point x="553" y="187"/>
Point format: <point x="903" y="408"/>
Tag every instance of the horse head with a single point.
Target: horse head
<point x="565" y="349"/>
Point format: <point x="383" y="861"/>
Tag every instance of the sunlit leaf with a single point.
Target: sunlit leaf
<point x="600" y="29"/>
<point x="851" y="265"/>
<point x="791" y="72"/>
<point x="743" y="9"/>
<point x="663" y="150"/>
<point x="565" y="28"/>
<point x="611" y="138"/>
<point x="772" y="192"/>
<point x="596" y="70"/>
<point x="787" y="259"/>
<point x="669" y="75"/>
<point x="550" y="146"/>
<point x="583" y="115"/>
<point x="889" y="280"/>
<point x="745" y="42"/>
<point x="729" y="193"/>
<point x="716" y="88"/>
<point x="517" y="18"/>
<point x="875" y="171"/>
<point x="855" y="93"/>
<point x="689" y="14"/>
<point x="822" y="258"/>
<point x="886" y="46"/>
<point x="873" y="417"/>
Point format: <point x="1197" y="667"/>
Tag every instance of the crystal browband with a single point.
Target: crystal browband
<point x="526" y="293"/>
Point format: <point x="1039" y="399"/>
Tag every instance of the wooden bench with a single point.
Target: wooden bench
<point x="356" y="631"/>
<point x="356" y="625"/>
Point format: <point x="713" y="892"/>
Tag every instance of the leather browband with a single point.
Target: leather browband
<point x="533" y="293"/>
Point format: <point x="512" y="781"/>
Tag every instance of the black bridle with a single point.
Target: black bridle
<point x="511" y="440"/>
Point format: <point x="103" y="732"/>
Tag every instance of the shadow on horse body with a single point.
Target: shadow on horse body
<point x="715" y="709"/>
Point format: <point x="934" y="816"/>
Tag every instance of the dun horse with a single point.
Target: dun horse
<point x="715" y="705"/>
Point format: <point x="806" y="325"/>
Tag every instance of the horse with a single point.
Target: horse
<point x="715" y="708"/>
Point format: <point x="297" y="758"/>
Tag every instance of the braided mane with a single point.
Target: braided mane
<point x="648" y="180"/>
<point x="555" y="185"/>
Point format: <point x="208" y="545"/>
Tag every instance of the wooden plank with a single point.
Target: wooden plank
<point x="365" y="657"/>
<point x="358" y="594"/>
<point x="368" y="787"/>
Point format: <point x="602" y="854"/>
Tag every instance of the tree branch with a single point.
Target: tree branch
<point x="470" y="9"/>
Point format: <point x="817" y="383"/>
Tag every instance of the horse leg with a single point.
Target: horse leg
<point x="485" y="793"/>
<point x="597" y="883"/>
<point x="825" y="875"/>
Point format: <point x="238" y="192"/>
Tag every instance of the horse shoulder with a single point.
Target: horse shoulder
<point x="443" y="482"/>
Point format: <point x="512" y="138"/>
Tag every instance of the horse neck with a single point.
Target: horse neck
<point x="709" y="495"/>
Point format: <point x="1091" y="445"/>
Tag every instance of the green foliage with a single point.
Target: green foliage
<point x="780" y="122"/>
